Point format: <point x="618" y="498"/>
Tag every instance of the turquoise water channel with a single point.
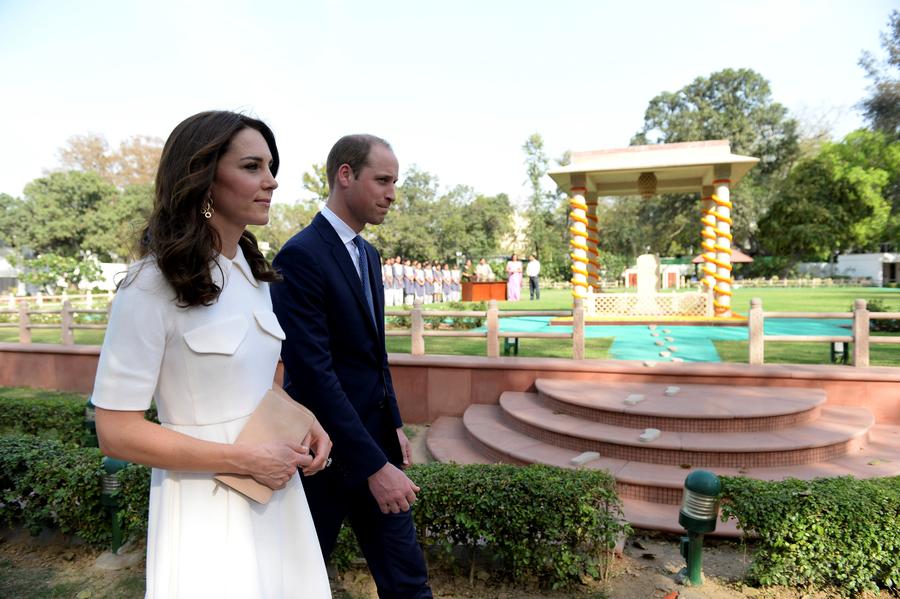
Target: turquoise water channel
<point x="691" y="343"/>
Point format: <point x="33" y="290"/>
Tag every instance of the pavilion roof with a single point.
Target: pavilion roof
<point x="679" y="167"/>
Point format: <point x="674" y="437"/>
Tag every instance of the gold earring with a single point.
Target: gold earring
<point x="207" y="211"/>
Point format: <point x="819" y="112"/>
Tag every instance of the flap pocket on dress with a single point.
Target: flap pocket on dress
<point x="219" y="337"/>
<point x="269" y="323"/>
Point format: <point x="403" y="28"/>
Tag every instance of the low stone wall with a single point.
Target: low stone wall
<point x="432" y="386"/>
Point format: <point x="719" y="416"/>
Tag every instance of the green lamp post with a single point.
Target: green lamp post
<point x="109" y="496"/>
<point x="698" y="515"/>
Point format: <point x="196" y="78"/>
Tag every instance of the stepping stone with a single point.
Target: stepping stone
<point x="650" y="363"/>
<point x="651" y="327"/>
<point x="670" y="391"/>
<point x="666" y="331"/>
<point x="665" y="354"/>
<point x="670" y="339"/>
<point x="584" y="458"/>
<point x="634" y="399"/>
<point x="678" y="359"/>
<point x="654" y="334"/>
<point x="673" y="348"/>
<point x="660" y="343"/>
<point x="649" y="434"/>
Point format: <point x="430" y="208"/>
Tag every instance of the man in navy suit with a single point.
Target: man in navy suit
<point x="331" y="306"/>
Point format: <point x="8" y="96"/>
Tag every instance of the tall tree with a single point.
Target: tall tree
<point x="285" y="220"/>
<point x="882" y="107"/>
<point x="134" y="163"/>
<point x="542" y="212"/>
<point x="733" y="104"/>
<point x="60" y="214"/>
<point x="315" y="181"/>
<point x="10" y="215"/>
<point x="835" y="201"/>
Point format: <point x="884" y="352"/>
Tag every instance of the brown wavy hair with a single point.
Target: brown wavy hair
<point x="177" y="235"/>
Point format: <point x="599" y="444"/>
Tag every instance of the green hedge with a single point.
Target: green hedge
<point x="48" y="414"/>
<point x="831" y="532"/>
<point x="549" y="525"/>
<point x="45" y="483"/>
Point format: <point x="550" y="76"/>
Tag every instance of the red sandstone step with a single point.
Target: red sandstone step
<point x="837" y="431"/>
<point x="655" y="516"/>
<point x="489" y="433"/>
<point x="694" y="408"/>
<point x="448" y="442"/>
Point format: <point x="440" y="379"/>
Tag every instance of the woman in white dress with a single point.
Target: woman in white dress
<point x="192" y="327"/>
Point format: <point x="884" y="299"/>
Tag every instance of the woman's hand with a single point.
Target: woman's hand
<point x="320" y="445"/>
<point x="274" y="463"/>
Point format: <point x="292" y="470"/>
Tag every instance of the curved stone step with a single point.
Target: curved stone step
<point x="837" y="431"/>
<point x="483" y="436"/>
<point x="693" y="408"/>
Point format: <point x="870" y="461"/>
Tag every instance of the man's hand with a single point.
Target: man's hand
<point x="319" y="444"/>
<point x="405" y="447"/>
<point x="392" y="489"/>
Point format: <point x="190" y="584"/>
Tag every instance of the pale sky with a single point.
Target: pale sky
<point x="456" y="87"/>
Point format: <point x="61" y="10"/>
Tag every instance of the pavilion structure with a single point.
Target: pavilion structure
<point x="707" y="167"/>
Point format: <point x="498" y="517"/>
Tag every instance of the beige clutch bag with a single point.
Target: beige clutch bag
<point x="276" y="418"/>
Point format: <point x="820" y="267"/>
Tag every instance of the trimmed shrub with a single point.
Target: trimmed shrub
<point x="48" y="414"/>
<point x="841" y="532"/>
<point x="45" y="483"/>
<point x="551" y="525"/>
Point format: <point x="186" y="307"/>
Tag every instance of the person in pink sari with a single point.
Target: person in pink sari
<point x="514" y="279"/>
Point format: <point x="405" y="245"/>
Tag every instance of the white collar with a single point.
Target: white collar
<point x="340" y="227"/>
<point x="240" y="262"/>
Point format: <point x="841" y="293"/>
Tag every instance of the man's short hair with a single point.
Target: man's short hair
<point x="352" y="150"/>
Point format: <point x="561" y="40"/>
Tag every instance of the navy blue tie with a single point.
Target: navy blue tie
<point x="364" y="275"/>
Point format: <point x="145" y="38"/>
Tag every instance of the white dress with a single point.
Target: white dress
<point x="207" y="367"/>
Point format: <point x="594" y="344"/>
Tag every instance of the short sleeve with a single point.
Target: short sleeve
<point x="135" y="343"/>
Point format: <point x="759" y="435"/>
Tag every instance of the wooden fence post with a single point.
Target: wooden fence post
<point x="66" y="323"/>
<point x="417" y="326"/>
<point x="578" y="329"/>
<point x="860" y="333"/>
<point x="756" y="332"/>
<point x="24" y="330"/>
<point x="493" y="330"/>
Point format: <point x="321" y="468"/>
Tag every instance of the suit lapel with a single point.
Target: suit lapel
<point x="345" y="265"/>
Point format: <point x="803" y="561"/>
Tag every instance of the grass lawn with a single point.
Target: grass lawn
<point x="531" y="348"/>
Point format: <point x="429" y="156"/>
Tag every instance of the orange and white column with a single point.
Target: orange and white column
<point x="708" y="232"/>
<point x="578" y="237"/>
<point x="724" y="281"/>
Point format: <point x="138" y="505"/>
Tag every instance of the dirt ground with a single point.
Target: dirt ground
<point x="51" y="566"/>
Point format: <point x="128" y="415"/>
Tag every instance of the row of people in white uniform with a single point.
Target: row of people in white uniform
<point x="409" y="281"/>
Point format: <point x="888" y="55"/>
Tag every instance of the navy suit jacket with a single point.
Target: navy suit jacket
<point x="335" y="361"/>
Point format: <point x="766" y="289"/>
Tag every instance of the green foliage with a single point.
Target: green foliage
<point x="316" y="182"/>
<point x="888" y="325"/>
<point x="63" y="211"/>
<point x="882" y="107"/>
<point x="425" y="224"/>
<point x="47" y="270"/>
<point x="547" y="212"/>
<point x="732" y="104"/>
<point x="48" y="414"/>
<point x="285" y="220"/>
<point x="836" y="200"/>
<point x="832" y="532"/>
<point x="550" y="524"/>
<point x="45" y="483"/>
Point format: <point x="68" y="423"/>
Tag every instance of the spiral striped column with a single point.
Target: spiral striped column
<point x="593" y="243"/>
<point x="708" y="233"/>
<point x="578" y="242"/>
<point x="724" y="281"/>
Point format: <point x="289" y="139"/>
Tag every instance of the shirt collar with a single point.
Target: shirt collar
<point x="340" y="227"/>
<point x="239" y="262"/>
